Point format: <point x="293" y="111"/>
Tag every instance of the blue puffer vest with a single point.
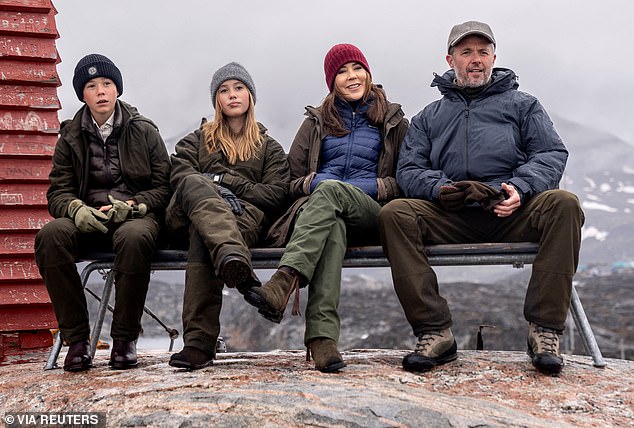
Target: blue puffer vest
<point x="354" y="157"/>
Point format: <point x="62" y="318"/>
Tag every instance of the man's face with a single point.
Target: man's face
<point x="472" y="60"/>
<point x="100" y="95"/>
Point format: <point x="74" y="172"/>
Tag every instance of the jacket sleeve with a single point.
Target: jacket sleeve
<point x="64" y="180"/>
<point x="388" y="177"/>
<point x="156" y="196"/>
<point x="546" y="154"/>
<point x="270" y="193"/>
<point x="302" y="173"/>
<point x="414" y="173"/>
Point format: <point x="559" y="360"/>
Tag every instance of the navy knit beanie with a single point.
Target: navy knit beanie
<point x="92" y="66"/>
<point x="339" y="55"/>
<point x="233" y="70"/>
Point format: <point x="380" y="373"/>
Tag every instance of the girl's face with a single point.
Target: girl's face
<point x="233" y="96"/>
<point x="351" y="81"/>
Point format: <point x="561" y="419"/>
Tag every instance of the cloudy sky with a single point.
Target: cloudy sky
<point x="574" y="55"/>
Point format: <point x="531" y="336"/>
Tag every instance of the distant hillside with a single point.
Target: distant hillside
<point x="600" y="171"/>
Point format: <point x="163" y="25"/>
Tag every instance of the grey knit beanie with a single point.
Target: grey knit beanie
<point x="92" y="66"/>
<point x="233" y="70"/>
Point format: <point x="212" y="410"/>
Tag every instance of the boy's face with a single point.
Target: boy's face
<point x="100" y="95"/>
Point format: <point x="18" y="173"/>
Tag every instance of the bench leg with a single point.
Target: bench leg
<point x="585" y="330"/>
<point x="51" y="363"/>
<point x="101" y="313"/>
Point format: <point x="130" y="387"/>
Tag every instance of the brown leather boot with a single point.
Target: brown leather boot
<point x="272" y="297"/>
<point x="327" y="357"/>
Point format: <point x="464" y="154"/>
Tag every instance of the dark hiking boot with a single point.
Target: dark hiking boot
<point x="78" y="357"/>
<point x="325" y="354"/>
<point x="237" y="273"/>
<point x="433" y="349"/>
<point x="272" y="297"/>
<point x="543" y="348"/>
<point x="191" y="358"/>
<point x="123" y="355"/>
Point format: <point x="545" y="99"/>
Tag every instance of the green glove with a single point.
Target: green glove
<point x="87" y="219"/>
<point x="139" y="210"/>
<point x="119" y="212"/>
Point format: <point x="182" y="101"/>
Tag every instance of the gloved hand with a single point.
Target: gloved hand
<point x="119" y="212"/>
<point x="481" y="193"/>
<point x="231" y="200"/>
<point x="87" y="219"/>
<point x="451" y="198"/>
<point x="122" y="211"/>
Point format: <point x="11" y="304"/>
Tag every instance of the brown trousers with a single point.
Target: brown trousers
<point x="215" y="233"/>
<point x="552" y="218"/>
<point x="59" y="244"/>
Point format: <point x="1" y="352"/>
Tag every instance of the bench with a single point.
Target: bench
<point x="516" y="254"/>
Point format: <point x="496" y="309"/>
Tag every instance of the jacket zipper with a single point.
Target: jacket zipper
<point x="466" y="148"/>
<point x="349" y="148"/>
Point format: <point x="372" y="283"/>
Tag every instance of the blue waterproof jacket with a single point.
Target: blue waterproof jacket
<point x="501" y="136"/>
<point x="354" y="157"/>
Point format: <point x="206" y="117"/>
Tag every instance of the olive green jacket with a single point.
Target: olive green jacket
<point x="144" y="161"/>
<point x="262" y="181"/>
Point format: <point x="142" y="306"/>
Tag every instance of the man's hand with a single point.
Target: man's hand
<point x="231" y="200"/>
<point x="508" y="206"/>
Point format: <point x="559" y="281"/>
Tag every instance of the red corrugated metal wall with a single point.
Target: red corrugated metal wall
<point x="28" y="133"/>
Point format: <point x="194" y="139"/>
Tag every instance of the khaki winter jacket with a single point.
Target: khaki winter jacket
<point x="262" y="181"/>
<point x="144" y="162"/>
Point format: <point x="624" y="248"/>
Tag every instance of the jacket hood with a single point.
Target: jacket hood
<point x="503" y="79"/>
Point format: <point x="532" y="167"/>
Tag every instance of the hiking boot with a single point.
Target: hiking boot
<point x="236" y="272"/>
<point x="191" y="358"/>
<point x="433" y="348"/>
<point x="78" y="357"/>
<point x="327" y="357"/>
<point x="543" y="348"/>
<point x="272" y="297"/>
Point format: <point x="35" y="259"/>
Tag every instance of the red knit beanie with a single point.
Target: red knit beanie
<point x="339" y="55"/>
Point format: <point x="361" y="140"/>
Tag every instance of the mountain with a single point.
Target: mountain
<point x="600" y="171"/>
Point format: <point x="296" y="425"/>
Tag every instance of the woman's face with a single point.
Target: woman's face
<point x="233" y="96"/>
<point x="351" y="81"/>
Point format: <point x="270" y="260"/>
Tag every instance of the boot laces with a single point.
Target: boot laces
<point x="426" y="341"/>
<point x="548" y="340"/>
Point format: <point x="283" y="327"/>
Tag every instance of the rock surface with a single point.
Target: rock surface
<point x="481" y="388"/>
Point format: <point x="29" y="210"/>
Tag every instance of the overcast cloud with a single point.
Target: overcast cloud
<point x="575" y="56"/>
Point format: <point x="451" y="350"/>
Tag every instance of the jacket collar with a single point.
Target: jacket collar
<point x="503" y="79"/>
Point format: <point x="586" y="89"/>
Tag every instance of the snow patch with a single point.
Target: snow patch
<point x="597" y="206"/>
<point x="593" y="232"/>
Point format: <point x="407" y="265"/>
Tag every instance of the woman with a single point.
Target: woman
<point x="229" y="179"/>
<point x="343" y="161"/>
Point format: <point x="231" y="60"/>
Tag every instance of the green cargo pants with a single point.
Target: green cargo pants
<point x="59" y="243"/>
<point x="318" y="245"/>
<point x="552" y="218"/>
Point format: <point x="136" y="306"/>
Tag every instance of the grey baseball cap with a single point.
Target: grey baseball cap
<point x="460" y="31"/>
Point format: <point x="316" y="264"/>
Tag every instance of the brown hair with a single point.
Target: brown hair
<point x="374" y="96"/>
<point x="241" y="146"/>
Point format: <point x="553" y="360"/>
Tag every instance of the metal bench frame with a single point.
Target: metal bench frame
<point x="516" y="254"/>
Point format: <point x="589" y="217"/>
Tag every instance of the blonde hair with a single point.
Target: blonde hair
<point x="236" y="147"/>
